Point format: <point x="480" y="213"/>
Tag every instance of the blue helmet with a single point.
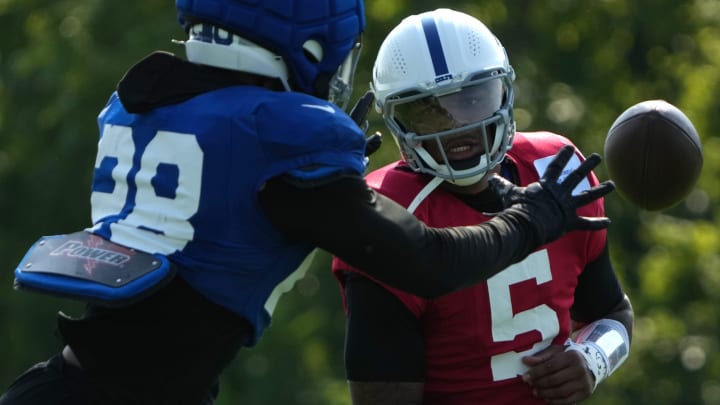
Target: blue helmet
<point x="315" y="43"/>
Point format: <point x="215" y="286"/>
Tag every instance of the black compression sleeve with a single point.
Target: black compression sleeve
<point x="384" y="340"/>
<point x="598" y="290"/>
<point x="373" y="233"/>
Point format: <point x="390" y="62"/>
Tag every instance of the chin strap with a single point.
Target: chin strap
<point x="604" y="344"/>
<point x="422" y="195"/>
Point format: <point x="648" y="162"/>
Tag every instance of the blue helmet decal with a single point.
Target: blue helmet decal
<point x="437" y="55"/>
<point x="284" y="26"/>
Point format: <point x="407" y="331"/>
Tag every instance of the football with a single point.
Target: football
<point x="653" y="154"/>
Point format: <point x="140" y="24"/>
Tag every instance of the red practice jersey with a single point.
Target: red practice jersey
<point x="475" y="338"/>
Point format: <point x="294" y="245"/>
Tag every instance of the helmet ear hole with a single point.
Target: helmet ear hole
<point x="313" y="51"/>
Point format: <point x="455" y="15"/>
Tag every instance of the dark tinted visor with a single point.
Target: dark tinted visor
<point x="433" y="114"/>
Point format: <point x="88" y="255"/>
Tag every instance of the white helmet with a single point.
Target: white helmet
<point x="443" y="74"/>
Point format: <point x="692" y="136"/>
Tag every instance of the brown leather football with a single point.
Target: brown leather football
<point x="653" y="154"/>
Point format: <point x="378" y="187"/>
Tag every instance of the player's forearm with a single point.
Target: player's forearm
<point x="382" y="238"/>
<point x="623" y="313"/>
<point x="604" y="344"/>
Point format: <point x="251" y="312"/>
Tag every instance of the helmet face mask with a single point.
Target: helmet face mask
<point x="341" y="83"/>
<point x="449" y="103"/>
<point x="477" y="113"/>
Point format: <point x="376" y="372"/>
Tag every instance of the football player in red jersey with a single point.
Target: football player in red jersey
<point x="229" y="166"/>
<point x="545" y="330"/>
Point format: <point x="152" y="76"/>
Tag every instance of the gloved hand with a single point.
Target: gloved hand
<point x="550" y="205"/>
<point x="358" y="114"/>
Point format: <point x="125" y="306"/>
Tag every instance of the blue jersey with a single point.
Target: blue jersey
<point x="182" y="180"/>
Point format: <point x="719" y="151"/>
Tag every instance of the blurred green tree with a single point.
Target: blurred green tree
<point x="579" y="65"/>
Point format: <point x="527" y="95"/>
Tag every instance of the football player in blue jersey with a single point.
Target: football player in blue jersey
<point x="232" y="165"/>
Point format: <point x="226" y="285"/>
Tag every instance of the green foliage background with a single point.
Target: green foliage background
<point x="579" y="65"/>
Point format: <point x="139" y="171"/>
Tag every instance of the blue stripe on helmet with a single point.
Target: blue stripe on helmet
<point x="436" y="51"/>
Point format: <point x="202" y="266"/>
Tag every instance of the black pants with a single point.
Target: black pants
<point x="168" y="349"/>
<point x="54" y="382"/>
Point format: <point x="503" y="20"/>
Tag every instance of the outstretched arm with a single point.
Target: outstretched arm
<point x="375" y="234"/>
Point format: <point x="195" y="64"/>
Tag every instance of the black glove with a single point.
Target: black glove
<point x="550" y="205"/>
<point x="358" y="114"/>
